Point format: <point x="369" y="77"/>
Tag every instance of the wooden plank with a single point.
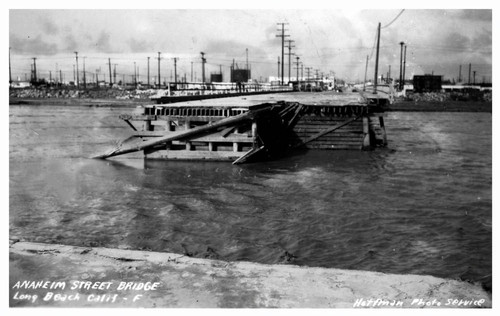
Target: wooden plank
<point x="194" y="155"/>
<point x="184" y="134"/>
<point x="326" y="131"/>
<point x="297" y="111"/>
<point x="366" y="132"/>
<point x="335" y="147"/>
<point x="248" y="155"/>
<point x="227" y="131"/>
<point x="383" y="132"/>
<point x="131" y="125"/>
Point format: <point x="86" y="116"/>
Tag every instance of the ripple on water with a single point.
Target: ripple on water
<point x="423" y="205"/>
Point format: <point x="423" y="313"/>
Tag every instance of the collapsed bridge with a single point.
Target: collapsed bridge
<point x="251" y="128"/>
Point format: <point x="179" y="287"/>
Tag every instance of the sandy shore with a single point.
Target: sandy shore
<point x="51" y="275"/>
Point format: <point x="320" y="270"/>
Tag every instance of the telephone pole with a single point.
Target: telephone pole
<point x="148" y="73"/>
<point x="401" y="67"/>
<point x="248" y="72"/>
<point x="376" y="61"/>
<point x="278" y="67"/>
<point x="175" y="70"/>
<point x="474" y="72"/>
<point x="282" y="35"/>
<point x="308" y="76"/>
<point x="84" y="76"/>
<point x="297" y="57"/>
<point x="366" y="71"/>
<point x="77" y="76"/>
<point x="34" y="69"/>
<point x="135" y="76"/>
<point x="110" y="78"/>
<point x="470" y="65"/>
<point x="203" y="61"/>
<point x="114" y="73"/>
<point x="290" y="58"/>
<point x="460" y="73"/>
<point x="159" y="78"/>
<point x="404" y="68"/>
<point x="10" y="73"/>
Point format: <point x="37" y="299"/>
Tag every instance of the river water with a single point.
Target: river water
<point x="422" y="206"/>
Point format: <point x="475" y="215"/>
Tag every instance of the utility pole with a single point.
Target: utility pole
<point x="135" y="76"/>
<point x="404" y="69"/>
<point x="10" y="73"/>
<point x="289" y="58"/>
<point x="60" y="76"/>
<point x="74" y="74"/>
<point x="401" y="67"/>
<point x="248" y="71"/>
<point x="376" y="61"/>
<point x="110" y="78"/>
<point x="114" y="73"/>
<point x="84" y="76"/>
<point x="389" y="73"/>
<point x="460" y="73"/>
<point x="298" y="81"/>
<point x="474" y="77"/>
<point x="159" y="78"/>
<point x="278" y="67"/>
<point x="308" y="76"/>
<point x="34" y="69"/>
<point x="175" y="70"/>
<point x="366" y="71"/>
<point x="203" y="61"/>
<point x="282" y="35"/>
<point x="470" y="65"/>
<point x="148" y="74"/>
<point x="77" y="76"/>
<point x="191" y="71"/>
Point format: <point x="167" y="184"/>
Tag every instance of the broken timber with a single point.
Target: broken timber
<point x="245" y="133"/>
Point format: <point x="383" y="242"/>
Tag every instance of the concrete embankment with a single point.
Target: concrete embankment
<point x="67" y="276"/>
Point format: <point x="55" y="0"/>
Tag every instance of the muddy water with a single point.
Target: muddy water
<point x="423" y="205"/>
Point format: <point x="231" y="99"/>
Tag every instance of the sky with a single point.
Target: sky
<point x="330" y="40"/>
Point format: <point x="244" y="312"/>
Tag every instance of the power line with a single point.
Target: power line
<point x="397" y="16"/>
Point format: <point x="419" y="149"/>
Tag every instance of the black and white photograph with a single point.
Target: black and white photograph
<point x="249" y="156"/>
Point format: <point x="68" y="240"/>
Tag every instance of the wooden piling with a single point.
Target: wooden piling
<point x="366" y="133"/>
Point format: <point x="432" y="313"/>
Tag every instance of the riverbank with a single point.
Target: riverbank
<point x="398" y="106"/>
<point x="440" y="106"/>
<point x="104" y="102"/>
<point x="102" y="277"/>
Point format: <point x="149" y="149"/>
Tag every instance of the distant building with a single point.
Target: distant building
<point x="240" y="75"/>
<point x="215" y="77"/>
<point x="427" y="83"/>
